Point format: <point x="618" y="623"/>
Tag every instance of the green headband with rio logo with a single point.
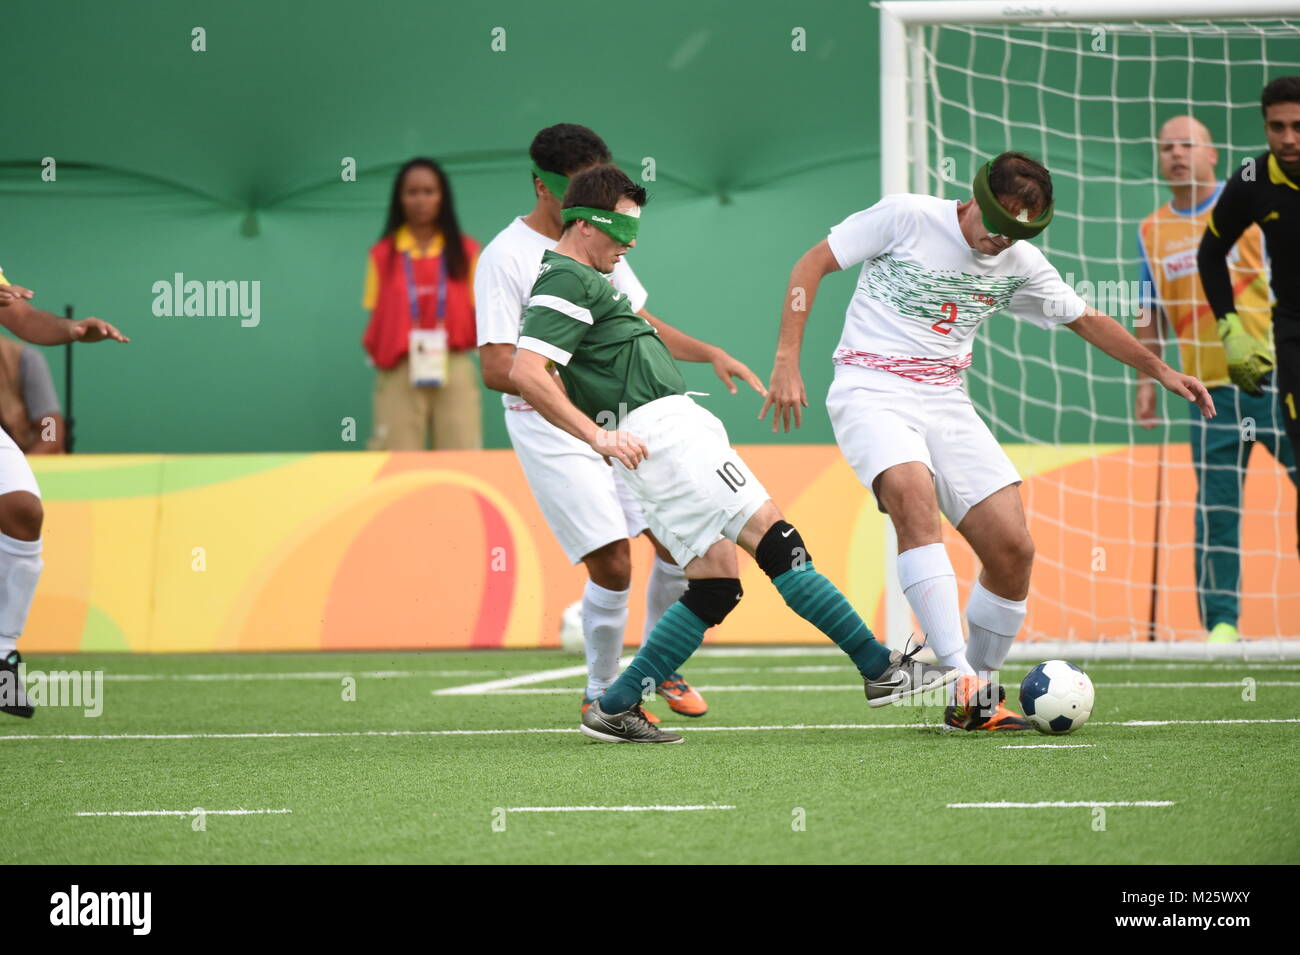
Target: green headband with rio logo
<point x="997" y="219"/>
<point x="617" y="225"/>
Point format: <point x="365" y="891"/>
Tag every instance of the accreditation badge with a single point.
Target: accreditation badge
<point x="427" y="357"/>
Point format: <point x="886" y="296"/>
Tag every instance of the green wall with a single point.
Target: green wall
<point x="224" y="165"/>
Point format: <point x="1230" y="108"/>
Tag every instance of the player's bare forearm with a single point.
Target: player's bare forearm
<point x="680" y="345"/>
<point x="1111" y="337"/>
<point x="1102" y="331"/>
<point x="42" y="328"/>
<point x="685" y="348"/>
<point x="35" y="325"/>
<point x="800" y="294"/>
<point x="530" y="379"/>
<point x="786" y="394"/>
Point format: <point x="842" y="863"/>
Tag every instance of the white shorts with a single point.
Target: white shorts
<point x="580" y="495"/>
<point x="15" y="473"/>
<point x="693" y="488"/>
<point x="881" y="420"/>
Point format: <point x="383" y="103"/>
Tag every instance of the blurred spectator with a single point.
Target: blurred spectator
<point x="421" y="336"/>
<point x="29" y="408"/>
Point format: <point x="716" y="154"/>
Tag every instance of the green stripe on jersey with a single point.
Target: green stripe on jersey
<point x="618" y="361"/>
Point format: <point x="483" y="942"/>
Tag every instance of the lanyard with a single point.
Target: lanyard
<point x="411" y="296"/>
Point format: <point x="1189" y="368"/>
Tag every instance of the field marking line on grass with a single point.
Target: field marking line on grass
<point x="186" y="812"/>
<point x="537" y="676"/>
<point x="324" y="675"/>
<point x="480" y="690"/>
<point x="614" y="808"/>
<point x="1048" y="746"/>
<point x="1142" y="803"/>
<point x="327" y="734"/>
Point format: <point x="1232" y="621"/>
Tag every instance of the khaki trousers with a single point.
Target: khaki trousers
<point x="405" y="414"/>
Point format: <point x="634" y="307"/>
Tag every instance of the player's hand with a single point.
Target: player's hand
<point x="1249" y="360"/>
<point x="786" y="397"/>
<point x="725" y="367"/>
<point x="624" y="446"/>
<point x="1146" y="404"/>
<point x="95" y="330"/>
<point x="1185" y="386"/>
<point x="13" y="293"/>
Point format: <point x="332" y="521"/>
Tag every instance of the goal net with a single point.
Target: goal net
<point x="1112" y="506"/>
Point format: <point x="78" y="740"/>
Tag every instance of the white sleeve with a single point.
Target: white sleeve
<point x="866" y="234"/>
<point x="625" y="280"/>
<point x="1045" y="300"/>
<point x="499" y="300"/>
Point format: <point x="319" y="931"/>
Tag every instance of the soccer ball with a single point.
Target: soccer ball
<point x="571" y="638"/>
<point x="1056" y="697"/>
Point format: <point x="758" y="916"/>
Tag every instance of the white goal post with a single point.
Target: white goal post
<point x="911" y="126"/>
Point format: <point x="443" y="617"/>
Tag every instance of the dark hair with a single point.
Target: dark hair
<point x="566" y="147"/>
<point x="601" y="187"/>
<point x="453" y="249"/>
<point x="1015" y="174"/>
<point x="1284" y="89"/>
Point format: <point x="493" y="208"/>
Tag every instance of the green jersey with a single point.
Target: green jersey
<point x="611" y="359"/>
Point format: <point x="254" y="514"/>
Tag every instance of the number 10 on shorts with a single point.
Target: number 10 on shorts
<point x="731" y="476"/>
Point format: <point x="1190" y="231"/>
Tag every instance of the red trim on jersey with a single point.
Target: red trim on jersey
<point x="928" y="371"/>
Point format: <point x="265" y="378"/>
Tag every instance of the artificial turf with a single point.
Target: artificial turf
<point x="801" y="795"/>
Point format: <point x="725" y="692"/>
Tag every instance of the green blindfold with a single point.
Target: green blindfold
<point x="553" y="181"/>
<point x="619" y="227"/>
<point x="997" y="219"/>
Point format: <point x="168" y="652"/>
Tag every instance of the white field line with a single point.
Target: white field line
<point x="573" y="730"/>
<point x="541" y="676"/>
<point x="1144" y="803"/>
<point x="186" y="812"/>
<point x="1240" y="666"/>
<point x="332" y="675"/>
<point x="825" y="687"/>
<point x="1048" y="746"/>
<point x="614" y="808"/>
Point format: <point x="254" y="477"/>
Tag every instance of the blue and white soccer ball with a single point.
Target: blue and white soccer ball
<point x="1056" y="697"/>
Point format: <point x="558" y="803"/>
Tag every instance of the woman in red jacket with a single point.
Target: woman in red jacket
<point x="419" y="290"/>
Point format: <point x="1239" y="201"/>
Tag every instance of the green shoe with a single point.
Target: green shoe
<point x="1224" y="633"/>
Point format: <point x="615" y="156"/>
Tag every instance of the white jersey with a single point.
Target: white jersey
<point x="503" y="281"/>
<point x="923" y="291"/>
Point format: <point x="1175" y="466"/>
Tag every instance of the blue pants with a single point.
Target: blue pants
<point x="1220" y="453"/>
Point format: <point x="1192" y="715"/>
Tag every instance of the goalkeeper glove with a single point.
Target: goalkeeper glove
<point x="1249" y="359"/>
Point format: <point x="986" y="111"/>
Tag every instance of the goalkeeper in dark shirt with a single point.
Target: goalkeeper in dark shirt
<point x="1265" y="190"/>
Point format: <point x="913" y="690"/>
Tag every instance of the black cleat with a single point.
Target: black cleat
<point x="630" y="726"/>
<point x="13" y="697"/>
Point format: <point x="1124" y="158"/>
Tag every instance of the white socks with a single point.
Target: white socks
<point x="928" y="582"/>
<point x="20" y="569"/>
<point x="994" y="622"/>
<point x="604" y="617"/>
<point x="666" y="586"/>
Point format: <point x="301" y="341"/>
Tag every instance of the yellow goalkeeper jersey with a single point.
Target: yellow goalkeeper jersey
<point x="1168" y="240"/>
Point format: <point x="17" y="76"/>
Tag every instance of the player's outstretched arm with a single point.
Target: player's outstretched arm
<point x="531" y="380"/>
<point x="41" y="328"/>
<point x="1110" y="336"/>
<point x="1150" y="332"/>
<point x="685" y="348"/>
<point x="786" y="395"/>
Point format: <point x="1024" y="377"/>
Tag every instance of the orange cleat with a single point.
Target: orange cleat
<point x="976" y="707"/>
<point x="681" y="698"/>
<point x="649" y="717"/>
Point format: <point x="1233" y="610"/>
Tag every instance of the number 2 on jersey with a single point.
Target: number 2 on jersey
<point x="949" y="309"/>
